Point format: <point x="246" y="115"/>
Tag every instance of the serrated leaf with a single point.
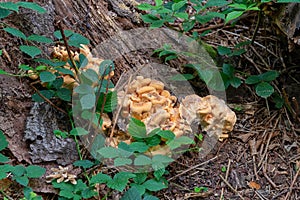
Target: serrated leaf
<point x="15" y="32"/>
<point x="46" y="77"/>
<point x="178" y="142"/>
<point x="23" y="180"/>
<point x="66" y="193"/>
<point x="153" y="185"/>
<point x="18" y="170"/>
<point x="223" y="51"/>
<point x="145" y="6"/>
<point x="100" y="178"/>
<point x="3" y="141"/>
<point x="140" y="147"/>
<point x="4" y="13"/>
<point x="137" y="128"/>
<point x="177" y="6"/>
<point x="140" y="177"/>
<point x="233" y="15"/>
<point x="166" y="134"/>
<point x="148" y="18"/>
<point x="84" y="89"/>
<point x="3" y="159"/>
<point x="78" y="131"/>
<point x="182" y="15"/>
<point x="235" y="82"/>
<point x="32" y="6"/>
<point x="159" y="173"/>
<point x="109" y="152"/>
<point x="264" y="89"/>
<point x="64" y="94"/>
<point x="269" y="76"/>
<point x="9" y="6"/>
<point x="40" y="38"/>
<point x="142" y="160"/>
<point x="30" y="50"/>
<point x="120" y="181"/>
<point x="67" y="33"/>
<point x="34" y="171"/>
<point x="88" y="101"/>
<point x="46" y="93"/>
<point x="83" y="163"/>
<point x="132" y="194"/>
<point x="76" y="40"/>
<point x="253" y="79"/>
<point x="122" y="161"/>
<point x="111" y="102"/>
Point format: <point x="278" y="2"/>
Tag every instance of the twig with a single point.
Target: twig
<point x="226" y="177"/>
<point x="119" y="110"/>
<point x="296" y="107"/>
<point x="67" y="47"/>
<point x="47" y="100"/>
<point x="268" y="142"/>
<point x="267" y="177"/>
<point x="193" y="167"/>
<point x="256" y="27"/>
<point x="228" y="184"/>
<point x="292" y="184"/>
<point x="259" y="56"/>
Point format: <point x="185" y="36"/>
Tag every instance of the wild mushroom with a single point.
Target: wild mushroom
<point x="61" y="174"/>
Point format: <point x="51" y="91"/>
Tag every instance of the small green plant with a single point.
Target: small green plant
<point x="223" y="169"/>
<point x="19" y="173"/>
<point x="200" y="189"/>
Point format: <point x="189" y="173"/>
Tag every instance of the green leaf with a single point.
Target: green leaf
<point x="158" y="2"/>
<point x="32" y="6"/>
<point x="6" y="168"/>
<point x="153" y="141"/>
<point x="223" y="51"/>
<point x="228" y="69"/>
<point x="182" y="77"/>
<point x="178" y="142"/>
<point x="40" y="38"/>
<point x="111" y="102"/>
<point x="65" y="71"/>
<point x="3" y="141"/>
<point x="106" y="66"/>
<point x="54" y="63"/>
<point x="3" y="175"/>
<point x="131" y="194"/>
<point x="84" y="89"/>
<point x="235" y="82"/>
<point x="88" y="101"/>
<point x="279" y="101"/>
<point x="159" y="173"/>
<point x="66" y="193"/>
<point x="233" y="15"/>
<point x="3" y="159"/>
<point x="145" y="6"/>
<point x="177" y="6"/>
<point x="140" y="147"/>
<point x="100" y="178"/>
<point x="188" y="25"/>
<point x="162" y="159"/>
<point x="18" y="170"/>
<point x="30" y="50"/>
<point x="166" y="134"/>
<point x="182" y="15"/>
<point x="3" y="72"/>
<point x="78" y="131"/>
<point x="23" y="180"/>
<point x="253" y="79"/>
<point x="98" y="143"/>
<point x="137" y="128"/>
<point x="142" y="160"/>
<point x="109" y="152"/>
<point x="67" y="33"/>
<point x="264" y="89"/>
<point x="46" y="93"/>
<point x="47" y="76"/>
<point x="9" y="6"/>
<point x="34" y="171"/>
<point x="150" y="197"/>
<point x="4" y="13"/>
<point x="122" y="161"/>
<point x="149" y="18"/>
<point x="15" y="32"/>
<point x="218" y="3"/>
<point x="64" y="94"/>
<point x="153" y="185"/>
<point x="76" y="40"/>
<point x="140" y="177"/>
<point x="83" y="163"/>
<point x="120" y="181"/>
<point x="269" y="76"/>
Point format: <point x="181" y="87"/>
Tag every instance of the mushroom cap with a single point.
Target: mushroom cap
<point x="145" y="89"/>
<point x="140" y="107"/>
<point x="158" y="85"/>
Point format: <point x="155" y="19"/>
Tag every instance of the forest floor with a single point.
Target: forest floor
<point x="260" y="159"/>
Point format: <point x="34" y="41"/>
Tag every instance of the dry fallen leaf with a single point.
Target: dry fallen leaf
<point x="254" y="185"/>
